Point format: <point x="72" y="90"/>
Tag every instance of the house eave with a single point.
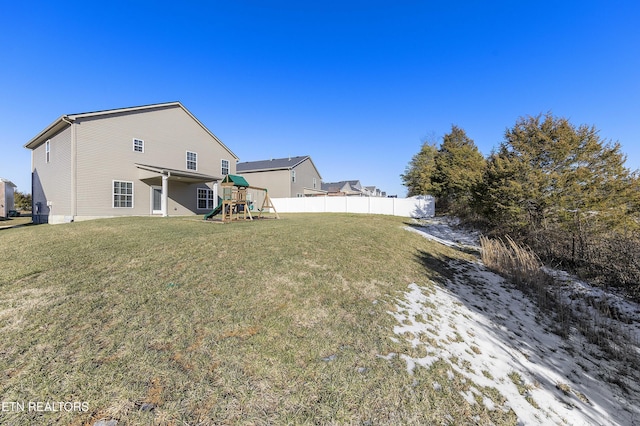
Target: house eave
<point x="57" y="126"/>
<point x="270" y="169"/>
<point x="315" y="168"/>
<point x="8" y="182"/>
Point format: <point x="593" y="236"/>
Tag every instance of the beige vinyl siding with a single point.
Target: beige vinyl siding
<point x="277" y="182"/>
<point x="280" y="183"/>
<point x="105" y="154"/>
<point x="305" y="172"/>
<point x="52" y="180"/>
<point x="184" y="198"/>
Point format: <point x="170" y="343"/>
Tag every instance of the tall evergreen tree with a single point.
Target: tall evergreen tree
<point x="459" y="168"/>
<point x="560" y="186"/>
<point x="418" y="174"/>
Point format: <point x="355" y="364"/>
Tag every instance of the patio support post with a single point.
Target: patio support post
<point x="165" y="195"/>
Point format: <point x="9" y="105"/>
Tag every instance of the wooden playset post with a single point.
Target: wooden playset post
<point x="266" y="203"/>
<point x="227" y="201"/>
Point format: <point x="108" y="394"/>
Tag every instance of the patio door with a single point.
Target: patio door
<point x="156" y="200"/>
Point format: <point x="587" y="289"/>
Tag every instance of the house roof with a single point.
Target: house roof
<point x="287" y="163"/>
<point x="338" y="186"/>
<point x="331" y="186"/>
<point x="66" y="120"/>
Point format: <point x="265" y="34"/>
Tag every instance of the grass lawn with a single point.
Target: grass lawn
<point x="179" y="321"/>
<point x="14" y="221"/>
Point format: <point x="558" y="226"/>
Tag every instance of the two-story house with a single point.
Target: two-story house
<point x="147" y="160"/>
<point x="284" y="177"/>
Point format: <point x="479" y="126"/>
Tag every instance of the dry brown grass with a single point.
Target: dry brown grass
<point x="270" y="322"/>
<point x="524" y="268"/>
<point x="509" y="258"/>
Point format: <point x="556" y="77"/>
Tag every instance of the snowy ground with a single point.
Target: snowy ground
<point x="493" y="335"/>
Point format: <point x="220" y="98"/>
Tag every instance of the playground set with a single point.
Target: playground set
<point x="236" y="203"/>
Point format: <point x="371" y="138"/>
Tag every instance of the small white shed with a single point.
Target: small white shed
<point x="7" y="201"/>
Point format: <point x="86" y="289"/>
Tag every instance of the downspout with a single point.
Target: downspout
<point x="33" y="206"/>
<point x="74" y="168"/>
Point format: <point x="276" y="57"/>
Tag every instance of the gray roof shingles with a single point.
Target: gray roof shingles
<point x="273" y="164"/>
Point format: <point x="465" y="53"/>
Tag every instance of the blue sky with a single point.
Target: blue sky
<point x="357" y="85"/>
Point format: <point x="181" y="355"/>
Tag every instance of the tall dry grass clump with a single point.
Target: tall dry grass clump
<point x="509" y="258"/>
<point x="524" y="268"/>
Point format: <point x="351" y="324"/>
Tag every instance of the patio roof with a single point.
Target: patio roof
<point x="180" y="175"/>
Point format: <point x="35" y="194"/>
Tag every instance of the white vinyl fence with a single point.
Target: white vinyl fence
<point x="419" y="206"/>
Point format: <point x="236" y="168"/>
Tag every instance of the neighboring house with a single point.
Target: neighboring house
<point x="351" y="188"/>
<point x="345" y="187"/>
<point x="146" y="160"/>
<point x="6" y="197"/>
<point x="372" y="191"/>
<point x="283" y="177"/>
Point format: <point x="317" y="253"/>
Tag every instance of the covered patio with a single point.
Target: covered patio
<point x="158" y="179"/>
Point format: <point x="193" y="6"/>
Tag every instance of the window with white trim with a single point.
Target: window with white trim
<point x="47" y="151"/>
<point x="205" y="199"/>
<point x="315" y="182"/>
<point x="293" y="176"/>
<point x="138" y="145"/>
<point x="122" y="194"/>
<point x="192" y="160"/>
<point x="224" y="167"/>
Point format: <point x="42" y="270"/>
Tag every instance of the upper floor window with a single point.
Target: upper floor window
<point x="192" y="160"/>
<point x="315" y="183"/>
<point x="138" y="145"/>
<point x="47" y="151"/>
<point x="224" y="167"/>
<point x="293" y="176"/>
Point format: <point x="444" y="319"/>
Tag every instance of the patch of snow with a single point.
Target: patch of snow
<point x="493" y="335"/>
<point x="488" y="403"/>
<point x="589" y="301"/>
<point x="468" y="396"/>
<point x="388" y="357"/>
<point x="446" y="231"/>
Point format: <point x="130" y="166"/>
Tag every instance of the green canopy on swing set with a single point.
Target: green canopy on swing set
<point x="236" y="180"/>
